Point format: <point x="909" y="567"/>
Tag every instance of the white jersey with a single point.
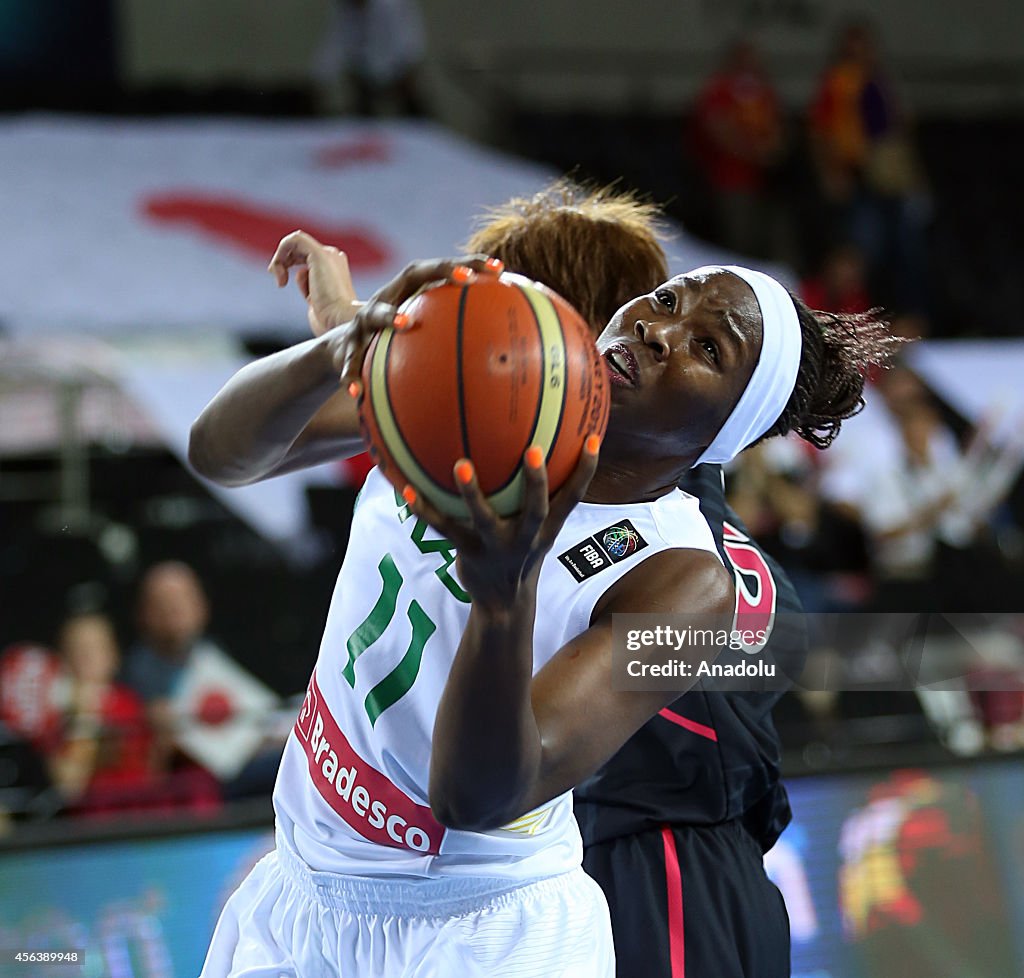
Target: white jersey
<point x="351" y="793"/>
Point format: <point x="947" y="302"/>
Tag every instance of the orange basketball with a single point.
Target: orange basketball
<point x="483" y="371"/>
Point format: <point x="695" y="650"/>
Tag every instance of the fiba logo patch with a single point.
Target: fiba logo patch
<point x="607" y="547"/>
<point x="620" y="541"/>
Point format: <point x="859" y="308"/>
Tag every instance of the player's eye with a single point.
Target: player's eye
<point x="711" y="348"/>
<point x="667" y="298"/>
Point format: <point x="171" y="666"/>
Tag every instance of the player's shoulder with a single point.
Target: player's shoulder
<point x="672" y="520"/>
<point x="679" y="519"/>
<point x="598" y="544"/>
<point x="675" y="580"/>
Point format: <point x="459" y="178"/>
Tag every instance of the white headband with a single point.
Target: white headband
<point x="774" y="377"/>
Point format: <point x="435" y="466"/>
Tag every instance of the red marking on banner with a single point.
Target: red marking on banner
<point x="367" y="801"/>
<point x="256" y="229"/>
<point x="369" y="149"/>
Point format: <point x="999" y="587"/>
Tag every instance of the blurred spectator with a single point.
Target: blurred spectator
<point x="927" y="511"/>
<point x="868" y="171"/>
<point x="172" y="617"/>
<point x="377" y="46"/>
<point x="211" y="716"/>
<point x="740" y="142"/>
<point x="774" y="489"/>
<point x="105" y="757"/>
<point x="840" y="284"/>
<point x="928" y="505"/>
<point x="908" y="505"/>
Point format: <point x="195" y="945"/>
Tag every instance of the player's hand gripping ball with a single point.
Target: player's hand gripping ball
<point x="483" y="371"/>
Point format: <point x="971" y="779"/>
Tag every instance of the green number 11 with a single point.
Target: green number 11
<point x="399" y="681"/>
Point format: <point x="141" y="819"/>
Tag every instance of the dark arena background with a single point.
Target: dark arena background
<point x="151" y="156"/>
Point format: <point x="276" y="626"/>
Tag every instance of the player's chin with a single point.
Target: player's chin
<point x="625" y="412"/>
<point x="622" y="393"/>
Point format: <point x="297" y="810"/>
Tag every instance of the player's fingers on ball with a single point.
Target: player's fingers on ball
<point x="377" y="316"/>
<point x="576" y="485"/>
<point x="491" y="265"/>
<point x="467" y="268"/>
<point x="586" y="466"/>
<point x="482" y="517"/>
<point x="414" y="277"/>
<point x="535" y="491"/>
<point x="349" y="360"/>
<point x="348" y="377"/>
<point x="462" y="275"/>
<point x="350" y="354"/>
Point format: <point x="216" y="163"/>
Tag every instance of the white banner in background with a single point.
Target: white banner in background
<point x="981" y="379"/>
<point x="172" y="391"/>
<point x="116" y="226"/>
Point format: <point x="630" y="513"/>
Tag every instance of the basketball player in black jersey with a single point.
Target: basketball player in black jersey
<point x="676" y="822"/>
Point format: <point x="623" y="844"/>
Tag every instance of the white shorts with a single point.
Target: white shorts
<point x="286" y="921"/>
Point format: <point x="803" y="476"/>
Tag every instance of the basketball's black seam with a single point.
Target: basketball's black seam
<point x="540" y="393"/>
<point x="398" y="427"/>
<point x="459" y="380"/>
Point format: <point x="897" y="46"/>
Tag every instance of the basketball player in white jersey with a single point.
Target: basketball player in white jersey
<point x="423" y="804"/>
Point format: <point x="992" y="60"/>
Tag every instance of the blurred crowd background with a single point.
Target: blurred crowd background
<point x="153" y="642"/>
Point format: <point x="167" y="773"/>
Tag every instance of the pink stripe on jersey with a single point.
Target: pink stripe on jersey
<point x="674" y="886"/>
<point x="687" y="724"/>
<point x="367" y="801"/>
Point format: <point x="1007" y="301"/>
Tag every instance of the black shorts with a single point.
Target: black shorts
<point x="692" y="902"/>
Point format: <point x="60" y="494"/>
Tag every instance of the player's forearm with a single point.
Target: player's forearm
<point x="486" y="745"/>
<point x="253" y="424"/>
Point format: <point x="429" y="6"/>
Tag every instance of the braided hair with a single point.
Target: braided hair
<point x="838" y="351"/>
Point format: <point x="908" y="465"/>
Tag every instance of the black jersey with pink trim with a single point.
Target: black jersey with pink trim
<point x="709" y="757"/>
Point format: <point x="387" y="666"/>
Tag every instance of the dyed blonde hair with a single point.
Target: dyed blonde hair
<point x="598" y="248"/>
